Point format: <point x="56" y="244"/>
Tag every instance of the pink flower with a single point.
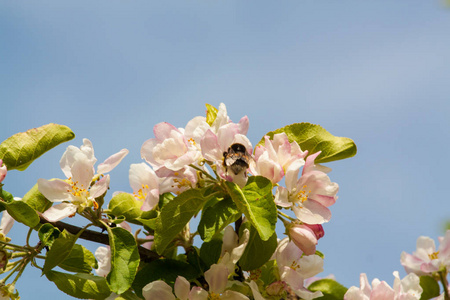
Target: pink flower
<point x="274" y="158"/>
<point x="426" y="259"/>
<point x="170" y="148"/>
<point x="294" y="268"/>
<point x="407" y="288"/>
<point x="309" y="196"/>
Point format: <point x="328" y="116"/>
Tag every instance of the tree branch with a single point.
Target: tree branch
<point x="98" y="237"/>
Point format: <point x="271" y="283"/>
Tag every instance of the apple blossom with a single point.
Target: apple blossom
<point x="310" y="195"/>
<point x="426" y="259"/>
<point x="274" y="158"/>
<point x="294" y="268"/>
<point x="145" y="185"/>
<point x="170" y="148"/>
<point x="215" y="146"/>
<point x="78" y="192"/>
<point x="407" y="288"/>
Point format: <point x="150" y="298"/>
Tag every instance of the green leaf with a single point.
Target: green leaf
<point x="8" y="197"/>
<point x="315" y="138"/>
<point x="174" y="217"/>
<point x="193" y="258"/>
<point x="257" y="252"/>
<point x="331" y="289"/>
<point x="21" y="149"/>
<point x="124" y="204"/>
<point x="81" y="286"/>
<point x="163" y="269"/>
<point x="211" y="114"/>
<point x="430" y="287"/>
<point x="269" y="273"/>
<point x="59" y="251"/>
<point x="124" y="259"/>
<point x="164" y="199"/>
<point x="36" y="200"/>
<point x="48" y="234"/>
<point x="255" y="200"/>
<point x="210" y="251"/>
<point x="215" y="218"/>
<point x="80" y="260"/>
<point x="21" y="212"/>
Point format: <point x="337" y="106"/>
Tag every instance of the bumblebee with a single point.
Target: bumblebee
<point x="236" y="158"/>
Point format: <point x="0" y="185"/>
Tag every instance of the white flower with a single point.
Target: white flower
<point x="78" y="192"/>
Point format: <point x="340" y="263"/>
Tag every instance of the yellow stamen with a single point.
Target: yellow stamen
<point x="434" y="255"/>
<point x="302" y="195"/>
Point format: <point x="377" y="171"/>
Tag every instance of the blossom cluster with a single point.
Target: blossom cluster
<point x="425" y="261"/>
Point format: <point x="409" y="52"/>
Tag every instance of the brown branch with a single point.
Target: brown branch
<point x="98" y="237"/>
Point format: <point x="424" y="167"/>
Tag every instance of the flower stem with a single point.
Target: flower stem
<point x="444" y="281"/>
<point x="203" y="171"/>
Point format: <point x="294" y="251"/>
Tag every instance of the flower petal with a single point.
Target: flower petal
<point x="157" y="290"/>
<point x="111" y="162"/>
<point x="55" y="190"/>
<point x="59" y="211"/>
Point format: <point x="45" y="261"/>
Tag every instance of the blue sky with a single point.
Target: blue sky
<point x="374" y="71"/>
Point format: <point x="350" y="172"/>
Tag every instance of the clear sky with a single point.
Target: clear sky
<point x="375" y="71"/>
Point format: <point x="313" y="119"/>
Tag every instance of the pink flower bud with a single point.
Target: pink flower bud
<point x="304" y="238"/>
<point x="318" y="230"/>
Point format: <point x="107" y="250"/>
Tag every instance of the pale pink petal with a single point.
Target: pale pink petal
<point x="282" y="197"/>
<point x="217" y="278"/>
<point x="111" y="162"/>
<point x="291" y="174"/>
<point x="233" y="295"/>
<point x="411" y="263"/>
<point x="147" y="152"/>
<point x="365" y="285"/>
<point x="196" y="128"/>
<point x="311" y="265"/>
<point x="6" y="223"/>
<point x="226" y="135"/>
<point x="197" y="293"/>
<point x="183" y="161"/>
<point x="182" y="288"/>
<point x="255" y="290"/>
<point x="444" y="248"/>
<point x="354" y="293"/>
<point x="82" y="173"/>
<point x="88" y="150"/>
<point x="243" y="125"/>
<point x="309" y="164"/>
<point x="59" y="211"/>
<point x="312" y="212"/>
<point x="100" y="187"/>
<point x="103" y="256"/>
<point x="125" y="226"/>
<point x="141" y="175"/>
<point x="221" y="118"/>
<point x="3" y="170"/>
<point x="151" y="200"/>
<point x="55" y="190"/>
<point x="163" y="130"/>
<point x="382" y="291"/>
<point x="210" y="147"/>
<point x="157" y="290"/>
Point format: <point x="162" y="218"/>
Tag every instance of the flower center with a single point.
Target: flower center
<point x="213" y="296"/>
<point x="294" y="266"/>
<point x="302" y="196"/>
<point x="79" y="191"/>
<point x="142" y="192"/>
<point x="434" y="255"/>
